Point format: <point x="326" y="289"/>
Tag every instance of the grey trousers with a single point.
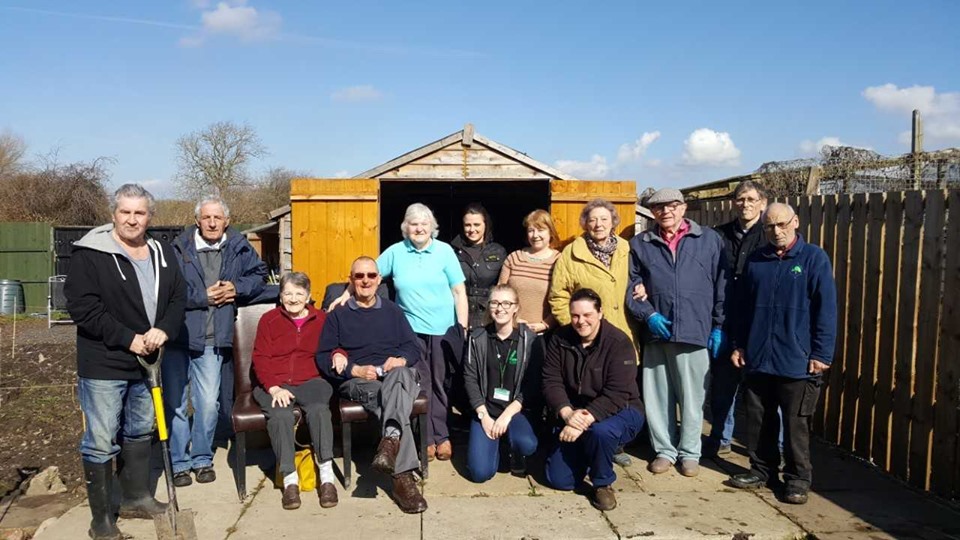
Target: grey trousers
<point x="313" y="397"/>
<point x="675" y="373"/>
<point x="391" y="401"/>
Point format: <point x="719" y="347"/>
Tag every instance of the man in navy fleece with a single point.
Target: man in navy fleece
<point x="376" y="372"/>
<point x="786" y="328"/>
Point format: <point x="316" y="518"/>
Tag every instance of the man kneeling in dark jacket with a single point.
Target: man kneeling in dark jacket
<point x="589" y="382"/>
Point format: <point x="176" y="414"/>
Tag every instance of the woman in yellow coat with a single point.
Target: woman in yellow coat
<point x="598" y="260"/>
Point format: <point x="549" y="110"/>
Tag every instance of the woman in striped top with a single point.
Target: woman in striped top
<point x="528" y="271"/>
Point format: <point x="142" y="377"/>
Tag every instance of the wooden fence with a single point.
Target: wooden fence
<point x="893" y="394"/>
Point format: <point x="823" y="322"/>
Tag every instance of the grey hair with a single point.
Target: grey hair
<point x="297" y="279"/>
<point x="419" y="211"/>
<point x="211" y="199"/>
<point x="133" y="191"/>
<point x="599" y="203"/>
<point x="747" y="185"/>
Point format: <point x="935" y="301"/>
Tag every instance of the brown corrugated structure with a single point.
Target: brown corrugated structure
<point x="336" y="220"/>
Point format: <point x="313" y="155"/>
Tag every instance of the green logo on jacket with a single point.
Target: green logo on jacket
<point x="796" y="270"/>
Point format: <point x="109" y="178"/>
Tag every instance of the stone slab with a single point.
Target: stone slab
<point x="514" y="517"/>
<point x="447" y="479"/>
<point x="711" y="478"/>
<point x="698" y="515"/>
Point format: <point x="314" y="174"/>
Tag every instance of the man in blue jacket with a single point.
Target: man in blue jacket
<point x="786" y="329"/>
<point x="222" y="271"/>
<point x="683" y="269"/>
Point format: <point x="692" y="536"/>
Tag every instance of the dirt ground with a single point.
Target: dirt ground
<point x="40" y="419"/>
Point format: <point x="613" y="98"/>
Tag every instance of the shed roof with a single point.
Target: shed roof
<point x="467" y="138"/>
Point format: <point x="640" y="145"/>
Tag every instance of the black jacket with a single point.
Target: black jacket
<point x="529" y="366"/>
<point x="739" y="249"/>
<point x="481" y="274"/>
<point x="104" y="299"/>
<point x="603" y="381"/>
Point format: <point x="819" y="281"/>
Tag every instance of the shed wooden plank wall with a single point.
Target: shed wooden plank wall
<point x="328" y="237"/>
<point x="893" y="391"/>
<point x="458" y="162"/>
<point x="567" y="198"/>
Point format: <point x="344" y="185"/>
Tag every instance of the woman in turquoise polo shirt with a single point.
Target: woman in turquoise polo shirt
<point x="430" y="289"/>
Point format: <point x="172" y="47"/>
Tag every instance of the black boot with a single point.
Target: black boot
<point x="136" y="500"/>
<point x="99" y="480"/>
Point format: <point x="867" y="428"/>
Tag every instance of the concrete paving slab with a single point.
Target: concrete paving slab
<point x="514" y="517"/>
<point x="711" y="478"/>
<point x="447" y="480"/>
<point x="699" y="515"/>
<point x="625" y="483"/>
<point x="358" y="516"/>
<point x="897" y="513"/>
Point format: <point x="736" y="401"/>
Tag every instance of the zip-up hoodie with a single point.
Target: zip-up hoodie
<point x="105" y="300"/>
<point x="284" y="353"/>
<point x="529" y="366"/>
<point x="601" y="379"/>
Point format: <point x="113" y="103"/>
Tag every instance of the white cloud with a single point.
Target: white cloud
<point x="342" y="174"/>
<point x="234" y="18"/>
<point x="940" y="110"/>
<point x="357" y="94"/>
<point x="594" y="169"/>
<point x="811" y="148"/>
<point x="708" y="147"/>
<point x="635" y="151"/>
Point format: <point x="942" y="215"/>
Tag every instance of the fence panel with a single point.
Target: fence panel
<point x="25" y="256"/>
<point x="893" y="392"/>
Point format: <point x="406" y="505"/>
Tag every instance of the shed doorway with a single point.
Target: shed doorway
<point x="507" y="202"/>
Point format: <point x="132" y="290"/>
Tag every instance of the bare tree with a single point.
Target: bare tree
<point x="72" y="194"/>
<point x="216" y="158"/>
<point x="12" y="148"/>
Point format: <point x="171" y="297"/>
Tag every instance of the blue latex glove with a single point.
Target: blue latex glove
<point x="716" y="343"/>
<point x="659" y="326"/>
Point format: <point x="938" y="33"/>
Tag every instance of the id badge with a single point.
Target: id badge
<point x="501" y="394"/>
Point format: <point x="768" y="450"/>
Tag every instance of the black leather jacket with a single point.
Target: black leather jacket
<point x="481" y="273"/>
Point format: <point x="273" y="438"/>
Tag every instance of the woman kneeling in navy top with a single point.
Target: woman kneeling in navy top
<point x="502" y="378"/>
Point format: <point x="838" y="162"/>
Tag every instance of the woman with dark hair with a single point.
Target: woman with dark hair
<point x="502" y="381"/>
<point x="284" y="360"/>
<point x="480" y="259"/>
<point x="528" y="271"/>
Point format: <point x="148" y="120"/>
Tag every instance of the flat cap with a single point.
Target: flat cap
<point x="664" y="196"/>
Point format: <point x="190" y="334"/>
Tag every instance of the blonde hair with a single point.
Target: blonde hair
<point x="503" y="287"/>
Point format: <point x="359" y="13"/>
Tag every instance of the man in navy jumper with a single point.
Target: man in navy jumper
<point x="376" y="372"/>
<point x="786" y="328"/>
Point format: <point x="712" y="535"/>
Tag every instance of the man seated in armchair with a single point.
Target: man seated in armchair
<point x="381" y="348"/>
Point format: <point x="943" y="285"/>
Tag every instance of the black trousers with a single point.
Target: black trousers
<point x="313" y="397"/>
<point x="797" y="398"/>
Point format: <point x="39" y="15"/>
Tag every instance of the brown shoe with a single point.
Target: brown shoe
<point x="407" y="495"/>
<point x="431" y="452"/>
<point x="659" y="465"/>
<point x="604" y="498"/>
<point x="291" y="497"/>
<point x="386" y="457"/>
<point x="689" y="467"/>
<point x="328" y="495"/>
<point x="444" y="451"/>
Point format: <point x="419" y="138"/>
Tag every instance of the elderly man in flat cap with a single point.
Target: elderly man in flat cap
<point x="682" y="268"/>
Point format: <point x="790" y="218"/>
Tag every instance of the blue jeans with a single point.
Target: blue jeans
<point x="592" y="452"/>
<point x="724" y="381"/>
<point x="483" y="454"/>
<point x="191" y="446"/>
<point x="113" y="409"/>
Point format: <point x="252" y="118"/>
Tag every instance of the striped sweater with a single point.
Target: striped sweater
<point x="531" y="278"/>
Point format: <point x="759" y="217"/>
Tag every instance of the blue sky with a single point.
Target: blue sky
<point x="674" y="93"/>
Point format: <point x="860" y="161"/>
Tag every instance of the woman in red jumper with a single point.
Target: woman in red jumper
<point x="284" y="362"/>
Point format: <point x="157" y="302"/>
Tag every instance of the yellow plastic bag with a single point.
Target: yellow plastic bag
<point x="306" y="470"/>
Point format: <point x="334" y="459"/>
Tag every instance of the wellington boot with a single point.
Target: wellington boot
<point x="137" y="501"/>
<point x="99" y="480"/>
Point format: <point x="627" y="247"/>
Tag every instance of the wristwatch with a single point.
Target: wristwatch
<point x="481" y="415"/>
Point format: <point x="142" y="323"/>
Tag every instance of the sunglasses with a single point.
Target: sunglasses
<point x="368" y="275"/>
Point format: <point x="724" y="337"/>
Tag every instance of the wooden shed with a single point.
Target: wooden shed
<point x="336" y="220"/>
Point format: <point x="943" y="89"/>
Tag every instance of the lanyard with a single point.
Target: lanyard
<point x="502" y="362"/>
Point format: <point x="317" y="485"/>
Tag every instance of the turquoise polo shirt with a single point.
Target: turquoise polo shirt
<point x="422" y="279"/>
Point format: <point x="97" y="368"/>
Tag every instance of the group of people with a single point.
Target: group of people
<point x="535" y="343"/>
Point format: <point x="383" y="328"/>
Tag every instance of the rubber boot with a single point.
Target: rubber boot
<point x="137" y="501"/>
<point x="99" y="480"/>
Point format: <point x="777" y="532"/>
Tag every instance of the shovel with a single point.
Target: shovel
<point x="174" y="524"/>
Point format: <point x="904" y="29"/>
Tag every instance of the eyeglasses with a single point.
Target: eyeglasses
<point x="747" y="200"/>
<point x="661" y="208"/>
<point x="369" y="275"/>
<point x="505" y="305"/>
<point x="294" y="295"/>
<point x="781" y="225"/>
